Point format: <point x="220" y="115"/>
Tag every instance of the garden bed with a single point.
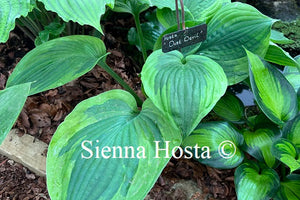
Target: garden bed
<point x="182" y="179"/>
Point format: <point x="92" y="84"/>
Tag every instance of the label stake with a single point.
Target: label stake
<point x="186" y="36"/>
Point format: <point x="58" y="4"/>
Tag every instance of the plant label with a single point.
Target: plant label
<point x="184" y="38"/>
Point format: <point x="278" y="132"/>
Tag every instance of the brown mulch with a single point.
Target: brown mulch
<point x="18" y="183"/>
<point x="42" y="113"/>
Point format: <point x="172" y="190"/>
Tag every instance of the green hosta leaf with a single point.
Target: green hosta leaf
<point x="197" y="7"/>
<point x="110" y="120"/>
<point x="233" y="27"/>
<point x="292" y="74"/>
<point x="277" y="55"/>
<point x="168" y="18"/>
<point x="218" y="144"/>
<point x="298" y="97"/>
<point x="151" y="32"/>
<point x="260" y="121"/>
<point x="294" y="79"/>
<point x="10" y="10"/>
<point x="259" y="145"/>
<point x="273" y="93"/>
<point x="134" y="7"/>
<point x="82" y="11"/>
<point x="286" y="152"/>
<point x="51" y="31"/>
<point x="254" y="182"/>
<point x="204" y="9"/>
<point x="290" y="69"/>
<point x="230" y="108"/>
<point x="291" y="131"/>
<point x="197" y="10"/>
<point x="12" y="101"/>
<point x="186" y="88"/>
<point x="278" y="38"/>
<point x="57" y="62"/>
<point x="297" y="58"/>
<point x="289" y="188"/>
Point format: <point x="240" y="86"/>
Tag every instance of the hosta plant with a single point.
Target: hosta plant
<point x="114" y="146"/>
<point x="271" y="137"/>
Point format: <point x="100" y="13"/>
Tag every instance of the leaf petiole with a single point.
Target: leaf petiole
<point x="140" y="34"/>
<point x="115" y="76"/>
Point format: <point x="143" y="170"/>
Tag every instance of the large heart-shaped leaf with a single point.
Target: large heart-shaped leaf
<point x="276" y="54"/>
<point x="218" y="144"/>
<point x="10" y="10"/>
<point x="254" y="182"/>
<point x="197" y="10"/>
<point x="12" y="101"/>
<point x="291" y="131"/>
<point x="289" y="188"/>
<point x="230" y="108"/>
<point x="233" y="27"/>
<point x="81" y="11"/>
<point x="108" y="149"/>
<point x="286" y="152"/>
<point x="259" y="145"/>
<point x="57" y="62"/>
<point x="274" y="94"/>
<point x="185" y="87"/>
